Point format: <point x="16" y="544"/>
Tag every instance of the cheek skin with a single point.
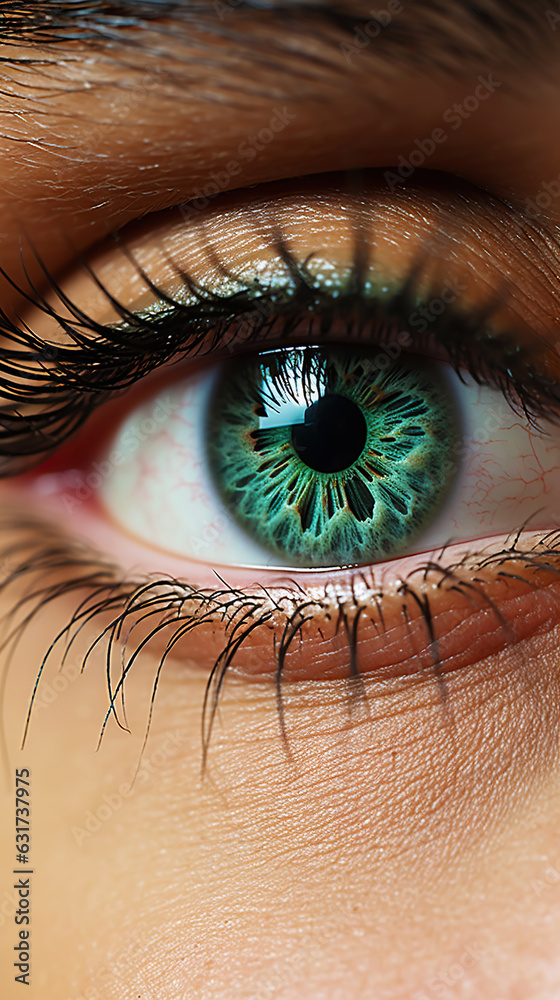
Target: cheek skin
<point x="390" y="843"/>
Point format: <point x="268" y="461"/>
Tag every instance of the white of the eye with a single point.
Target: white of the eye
<point x="161" y="491"/>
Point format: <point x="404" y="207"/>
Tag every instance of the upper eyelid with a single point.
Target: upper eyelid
<point x="485" y="215"/>
<point x="85" y="388"/>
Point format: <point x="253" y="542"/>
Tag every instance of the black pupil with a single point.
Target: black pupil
<point x="333" y="435"/>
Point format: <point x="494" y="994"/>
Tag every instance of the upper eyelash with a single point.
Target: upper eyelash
<point x="65" y="383"/>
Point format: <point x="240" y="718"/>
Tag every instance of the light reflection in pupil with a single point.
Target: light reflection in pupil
<point x="333" y="435"/>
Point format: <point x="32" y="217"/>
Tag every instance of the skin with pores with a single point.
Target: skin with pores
<point x="403" y="849"/>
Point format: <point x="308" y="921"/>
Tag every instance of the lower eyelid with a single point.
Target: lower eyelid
<point x="427" y="625"/>
<point x="428" y="615"/>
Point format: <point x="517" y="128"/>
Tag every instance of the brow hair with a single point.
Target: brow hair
<point x="448" y="33"/>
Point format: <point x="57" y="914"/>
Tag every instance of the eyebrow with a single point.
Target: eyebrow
<point x="417" y="32"/>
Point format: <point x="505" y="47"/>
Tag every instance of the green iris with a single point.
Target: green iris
<point x="325" y="459"/>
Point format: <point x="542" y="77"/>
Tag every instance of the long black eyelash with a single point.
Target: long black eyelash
<point x="50" y="389"/>
<point x="180" y="609"/>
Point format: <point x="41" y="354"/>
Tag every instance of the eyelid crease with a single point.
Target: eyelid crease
<point x="50" y="389"/>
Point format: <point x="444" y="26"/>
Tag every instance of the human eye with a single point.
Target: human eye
<point x="425" y="354"/>
<point x="287" y="736"/>
<point x="326" y="455"/>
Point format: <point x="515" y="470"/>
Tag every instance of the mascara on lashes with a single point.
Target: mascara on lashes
<point x="51" y="389"/>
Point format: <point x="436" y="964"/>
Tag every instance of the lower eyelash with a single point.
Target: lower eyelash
<point x="284" y="614"/>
